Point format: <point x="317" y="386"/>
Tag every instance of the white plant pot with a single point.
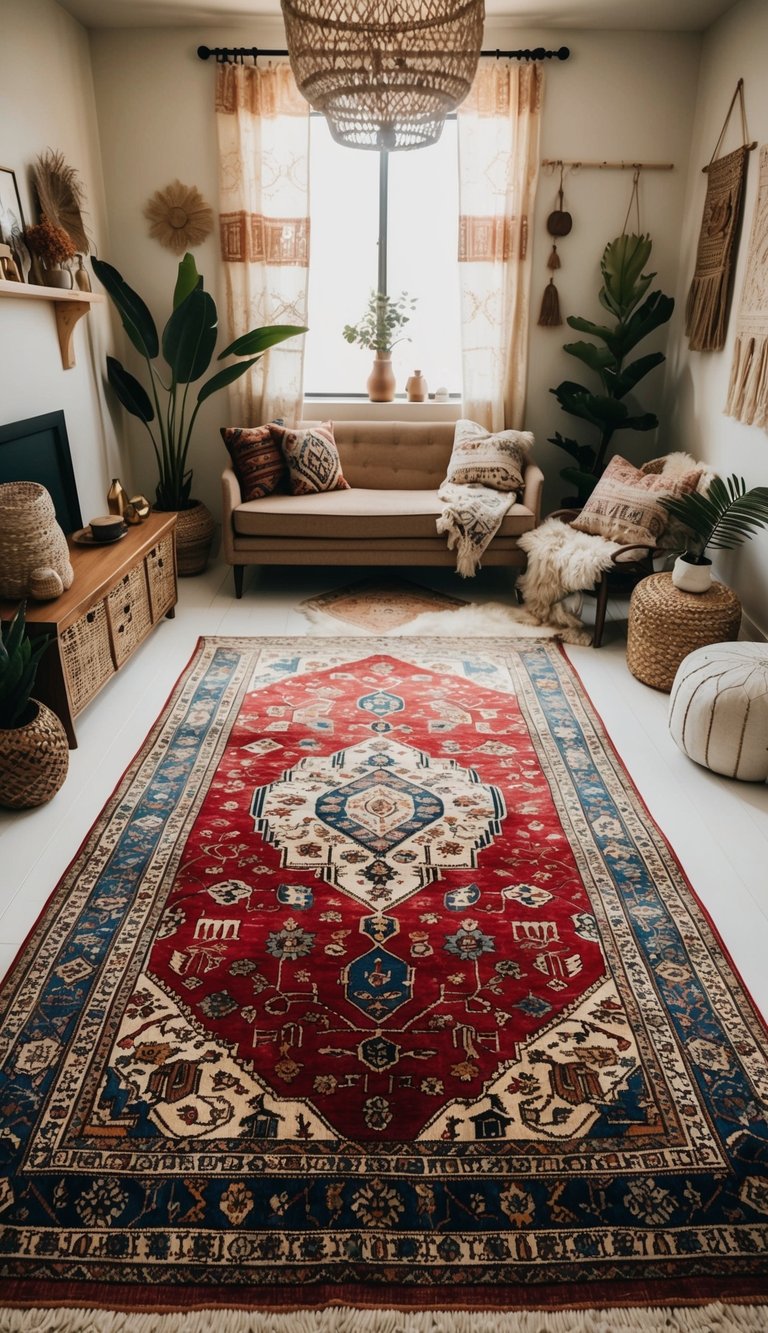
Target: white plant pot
<point x="691" y="578"/>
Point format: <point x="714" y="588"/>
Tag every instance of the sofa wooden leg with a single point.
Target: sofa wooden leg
<point x="238" y="571"/>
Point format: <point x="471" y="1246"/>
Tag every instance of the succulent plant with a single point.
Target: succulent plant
<point x="19" y="660"/>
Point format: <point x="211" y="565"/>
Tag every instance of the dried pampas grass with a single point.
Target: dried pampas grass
<point x="180" y="217"/>
<point x="61" y="194"/>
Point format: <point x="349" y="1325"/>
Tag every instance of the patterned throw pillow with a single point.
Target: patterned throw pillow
<point x="312" y="457"/>
<point x="624" y="506"/>
<point x="257" y="460"/>
<point x="482" y="458"/>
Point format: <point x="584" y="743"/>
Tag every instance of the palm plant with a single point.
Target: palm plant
<point x="188" y="343"/>
<point x="624" y="286"/>
<point x="19" y="660"/>
<point x="727" y="515"/>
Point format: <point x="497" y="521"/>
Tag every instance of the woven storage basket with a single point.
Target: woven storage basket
<point x="31" y="542"/>
<point x="34" y="759"/>
<point x="160" y="573"/>
<point x="665" y="625"/>
<point x="194" y="534"/>
<point x="87" y="656"/>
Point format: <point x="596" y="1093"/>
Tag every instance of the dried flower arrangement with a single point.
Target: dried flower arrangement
<point x="51" y="244"/>
<point x="61" y="195"/>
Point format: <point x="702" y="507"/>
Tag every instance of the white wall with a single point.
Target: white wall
<point x="46" y="101"/>
<point x="735" y="47"/>
<point x="622" y="95"/>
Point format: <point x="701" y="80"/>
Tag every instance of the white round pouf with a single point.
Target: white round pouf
<point x="718" y="709"/>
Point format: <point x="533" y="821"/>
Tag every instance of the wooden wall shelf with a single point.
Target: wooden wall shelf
<point x="69" y="306"/>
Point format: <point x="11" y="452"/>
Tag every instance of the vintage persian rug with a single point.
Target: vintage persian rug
<point x="748" y="388"/>
<point x="375" y="985"/>
<point x="379" y="605"/>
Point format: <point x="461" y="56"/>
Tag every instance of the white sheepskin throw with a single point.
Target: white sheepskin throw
<point x="561" y="561"/>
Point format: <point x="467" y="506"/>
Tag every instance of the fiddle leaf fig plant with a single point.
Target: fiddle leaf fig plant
<point x="725" y="516"/>
<point x="634" y="316"/>
<point x="169" y="410"/>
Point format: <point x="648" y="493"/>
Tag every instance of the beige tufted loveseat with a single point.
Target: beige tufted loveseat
<point x="387" y="517"/>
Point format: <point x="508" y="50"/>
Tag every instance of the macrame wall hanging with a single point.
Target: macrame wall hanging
<point x="559" y="223"/>
<point x="748" y="389"/>
<point x="706" y="311"/>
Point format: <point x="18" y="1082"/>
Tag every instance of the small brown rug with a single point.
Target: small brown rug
<point x="379" y="605"/>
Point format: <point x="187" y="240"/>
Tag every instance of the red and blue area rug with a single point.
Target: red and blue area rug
<point x="375" y="984"/>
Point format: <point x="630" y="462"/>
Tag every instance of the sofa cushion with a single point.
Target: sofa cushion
<point x="257" y="460"/>
<point x="485" y="458"/>
<point x="312" y="458"/>
<point x="356" y="513"/>
<point x="624" y="506"/>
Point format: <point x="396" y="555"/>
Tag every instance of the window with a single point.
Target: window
<point x="420" y="234"/>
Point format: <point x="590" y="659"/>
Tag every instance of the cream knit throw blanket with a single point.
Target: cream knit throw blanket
<point x="561" y="561"/>
<point x="471" y="517"/>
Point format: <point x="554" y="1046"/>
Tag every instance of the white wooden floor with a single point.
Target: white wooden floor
<point x="719" y="828"/>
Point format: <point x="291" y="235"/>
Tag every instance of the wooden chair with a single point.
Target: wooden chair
<point x="626" y="570"/>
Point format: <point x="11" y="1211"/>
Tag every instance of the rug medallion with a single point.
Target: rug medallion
<point x="375" y="982"/>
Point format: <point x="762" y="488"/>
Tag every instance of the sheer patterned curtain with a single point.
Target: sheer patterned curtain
<point x="263" y="133"/>
<point x="498" y="173"/>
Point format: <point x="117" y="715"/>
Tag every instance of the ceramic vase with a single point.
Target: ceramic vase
<point x="58" y="277"/>
<point x="416" y="387"/>
<point x="381" y="381"/>
<point x="689" y="577"/>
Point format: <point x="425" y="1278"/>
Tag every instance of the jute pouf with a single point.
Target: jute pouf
<point x="665" y="625"/>
<point x="718" y="711"/>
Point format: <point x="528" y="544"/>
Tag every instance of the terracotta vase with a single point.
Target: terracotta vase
<point x="381" y="381"/>
<point x="416" y="387"/>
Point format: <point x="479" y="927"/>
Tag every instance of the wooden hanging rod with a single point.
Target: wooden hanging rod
<point x="611" y="166"/>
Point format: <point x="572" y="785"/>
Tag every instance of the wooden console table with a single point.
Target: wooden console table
<point x="119" y="594"/>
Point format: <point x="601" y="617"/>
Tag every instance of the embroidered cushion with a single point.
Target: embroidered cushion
<point x="312" y="458"/>
<point x="483" y="458"/>
<point x="624" y="506"/>
<point x="257" y="460"/>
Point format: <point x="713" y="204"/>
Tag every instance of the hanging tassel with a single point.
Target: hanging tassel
<point x="554" y="258"/>
<point x="550" y="306"/>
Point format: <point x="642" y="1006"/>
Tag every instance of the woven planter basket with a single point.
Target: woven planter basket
<point x="34" y="759"/>
<point x="34" y="556"/>
<point x="665" y="625"/>
<point x="194" y="534"/>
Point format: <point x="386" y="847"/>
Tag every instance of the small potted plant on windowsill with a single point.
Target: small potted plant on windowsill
<point x="379" y="331"/>
<point x="727" y="515"/>
<point x="34" y="753"/>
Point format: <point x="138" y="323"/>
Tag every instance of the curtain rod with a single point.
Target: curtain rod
<point x="222" y="53"/>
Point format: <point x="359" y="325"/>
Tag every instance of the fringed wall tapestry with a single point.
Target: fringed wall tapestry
<point x="375" y="984"/>
<point x="748" y="388"/>
<point x="709" y="296"/>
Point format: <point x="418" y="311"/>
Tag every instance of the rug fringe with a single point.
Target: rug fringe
<point x="715" y="1318"/>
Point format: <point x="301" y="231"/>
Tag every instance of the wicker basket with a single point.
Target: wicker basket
<point x="34" y="759"/>
<point x="665" y="625"/>
<point x="194" y="534"/>
<point x="34" y="557"/>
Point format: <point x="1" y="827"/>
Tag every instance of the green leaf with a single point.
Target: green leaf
<point x="649" y="316"/>
<point x="598" y="409"/>
<point x="585" y="482"/>
<point x="130" y="392"/>
<point x="137" y="321"/>
<point x="584" y="454"/>
<point x="189" y="337"/>
<point x="224" y="377"/>
<point x="646" y="421"/>
<point x="621" y="266"/>
<point x="598" y="359"/>
<point x="187" y="280"/>
<point x="600" y="331"/>
<point x="726" y="516"/>
<point x="631" y="375"/>
<point x="257" y="341"/>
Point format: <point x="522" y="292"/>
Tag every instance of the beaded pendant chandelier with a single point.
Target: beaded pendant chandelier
<point x="384" y="75"/>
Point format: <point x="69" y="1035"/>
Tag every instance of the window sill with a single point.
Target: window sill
<point x="356" y="409"/>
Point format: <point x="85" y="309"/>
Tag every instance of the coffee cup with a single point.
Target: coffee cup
<point x="108" y="528"/>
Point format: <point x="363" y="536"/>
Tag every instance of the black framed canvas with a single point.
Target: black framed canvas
<point x="38" y="450"/>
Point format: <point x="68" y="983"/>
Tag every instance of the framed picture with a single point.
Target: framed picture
<point x="12" y="221"/>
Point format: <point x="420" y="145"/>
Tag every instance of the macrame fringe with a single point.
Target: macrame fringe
<point x="706" y="312"/>
<point x="549" y="315"/>
<point x="748" y="390"/>
<point x="554" y="258"/>
<point x="715" y="1318"/>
